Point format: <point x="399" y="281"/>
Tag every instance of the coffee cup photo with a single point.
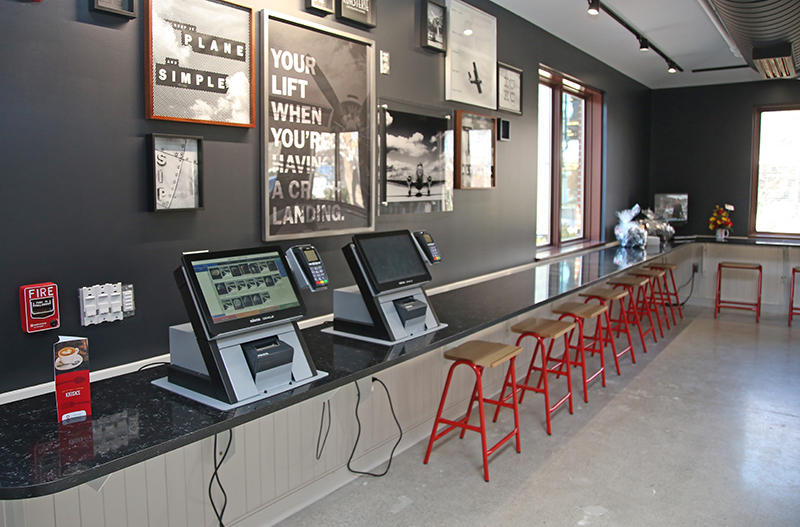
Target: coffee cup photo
<point x="69" y="356"/>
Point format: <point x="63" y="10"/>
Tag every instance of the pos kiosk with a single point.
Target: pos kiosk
<point x="242" y="343"/>
<point x="387" y="305"/>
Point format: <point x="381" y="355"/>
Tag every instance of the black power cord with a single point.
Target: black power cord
<point x="690" y="290"/>
<point x="215" y="476"/>
<point x="358" y="435"/>
<point x="322" y="420"/>
<point x="153" y="365"/>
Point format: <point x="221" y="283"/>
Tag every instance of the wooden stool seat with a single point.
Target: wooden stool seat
<point x="544" y="327"/>
<point x="629" y="281"/>
<point x="662" y="265"/>
<point x="478" y="355"/>
<point x="482" y="353"/>
<point x="650" y="273"/>
<point x="719" y="303"/>
<point x="576" y="309"/>
<point x="604" y="293"/>
<point x="740" y="265"/>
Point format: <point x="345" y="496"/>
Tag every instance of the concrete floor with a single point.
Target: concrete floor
<point x="703" y="430"/>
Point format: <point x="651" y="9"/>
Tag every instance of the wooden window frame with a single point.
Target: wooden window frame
<point x="593" y="177"/>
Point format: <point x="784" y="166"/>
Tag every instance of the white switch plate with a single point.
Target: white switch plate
<point x="105" y="303"/>
<point x="384" y="62"/>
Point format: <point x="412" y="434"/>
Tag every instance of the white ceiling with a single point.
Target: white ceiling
<point x="679" y="28"/>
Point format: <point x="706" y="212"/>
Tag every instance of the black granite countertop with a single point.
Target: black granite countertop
<point x="134" y="421"/>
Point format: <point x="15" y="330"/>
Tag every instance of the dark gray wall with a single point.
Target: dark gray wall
<point x="702" y="144"/>
<point x="73" y="176"/>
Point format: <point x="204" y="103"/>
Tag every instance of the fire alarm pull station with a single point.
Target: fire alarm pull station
<point x="38" y="305"/>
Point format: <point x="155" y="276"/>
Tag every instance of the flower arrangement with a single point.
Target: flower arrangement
<point x="720" y="219"/>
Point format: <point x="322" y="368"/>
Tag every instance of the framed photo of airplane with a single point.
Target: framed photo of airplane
<point x="475" y="150"/>
<point x="471" y="60"/>
<point x="416" y="161"/>
<point x="319" y="132"/>
<point x="433" y="29"/>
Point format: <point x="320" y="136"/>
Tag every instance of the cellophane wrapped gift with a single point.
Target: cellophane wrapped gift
<point x="655" y="227"/>
<point x="630" y="233"/>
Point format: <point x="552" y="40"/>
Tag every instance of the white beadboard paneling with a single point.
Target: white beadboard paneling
<point x="294" y="431"/>
<point x="232" y="474"/>
<point x="114" y="505"/>
<point x="281" y="459"/>
<point x="156" y="489"/>
<point x="92" y="511"/>
<point x="196" y="484"/>
<point x="136" y="494"/>
<point x="67" y="508"/>
<point x="175" y="474"/>
<point x="252" y="454"/>
<point x="266" y="428"/>
<point x="39" y="512"/>
<point x="307" y="440"/>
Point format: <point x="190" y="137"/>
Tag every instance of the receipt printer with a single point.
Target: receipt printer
<point x="270" y="362"/>
<point x="412" y="313"/>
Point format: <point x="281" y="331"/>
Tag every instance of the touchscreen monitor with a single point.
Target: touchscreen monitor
<point x="243" y="288"/>
<point x="391" y="260"/>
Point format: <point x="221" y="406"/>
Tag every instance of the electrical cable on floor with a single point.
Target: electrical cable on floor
<point x="358" y="435"/>
<point x="690" y="291"/>
<point x="153" y="364"/>
<point x="215" y="476"/>
<point x="322" y="420"/>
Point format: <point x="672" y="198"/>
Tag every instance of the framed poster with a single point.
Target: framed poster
<point x="359" y="11"/>
<point x="199" y="57"/>
<point x="475" y="150"/>
<point x="321" y="7"/>
<point x="509" y="88"/>
<point x="416" y="162"/>
<point x="433" y="29"/>
<point x="126" y="8"/>
<point x="176" y="167"/>
<point x="471" y="61"/>
<point x="318" y="130"/>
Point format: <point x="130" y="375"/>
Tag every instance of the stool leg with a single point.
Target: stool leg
<point x="598" y="335"/>
<point x="717" y="294"/>
<point x="632" y="312"/>
<point x="475" y="397"/>
<point x="758" y="305"/>
<point x="668" y="296"/>
<point x="675" y="293"/>
<point x="439" y="414"/>
<point x="481" y="412"/>
<point x="623" y="318"/>
<point x="642" y="292"/>
<point x="565" y="361"/>
<point x="655" y="306"/>
<point x="611" y="340"/>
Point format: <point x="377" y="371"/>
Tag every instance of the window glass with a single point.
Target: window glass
<point x="778" y="201"/>
<point x="572" y="166"/>
<point x="544" y="171"/>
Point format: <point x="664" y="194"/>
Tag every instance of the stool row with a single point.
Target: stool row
<point x="648" y="294"/>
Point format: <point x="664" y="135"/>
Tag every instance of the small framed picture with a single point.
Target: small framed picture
<point x="321" y="7"/>
<point x="433" y="29"/>
<point x="475" y="150"/>
<point x="509" y="88"/>
<point x="126" y="8"/>
<point x="176" y="163"/>
<point x="359" y="11"/>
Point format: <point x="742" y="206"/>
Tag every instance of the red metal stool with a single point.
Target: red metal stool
<point x="671" y="294"/>
<point x="732" y="304"/>
<point x="606" y="297"/>
<point x="793" y="310"/>
<point x="580" y="313"/>
<point x="541" y="329"/>
<point x="636" y="285"/>
<point x="478" y="355"/>
<point x="656" y="298"/>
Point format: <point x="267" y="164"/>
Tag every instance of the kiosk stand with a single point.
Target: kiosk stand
<point x="387" y="305"/>
<point x="242" y="343"/>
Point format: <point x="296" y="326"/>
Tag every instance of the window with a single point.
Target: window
<point x="568" y="173"/>
<point x="775" y="207"/>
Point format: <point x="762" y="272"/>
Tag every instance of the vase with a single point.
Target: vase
<point x="722" y="234"/>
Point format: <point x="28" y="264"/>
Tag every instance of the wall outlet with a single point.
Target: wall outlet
<point x="695" y="268"/>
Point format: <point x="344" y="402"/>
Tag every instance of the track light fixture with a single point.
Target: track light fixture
<point x="644" y="44"/>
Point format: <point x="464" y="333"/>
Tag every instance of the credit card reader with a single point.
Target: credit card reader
<point x="306" y="264"/>
<point x="427" y="247"/>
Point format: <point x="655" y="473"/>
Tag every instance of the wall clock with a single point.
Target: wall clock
<point x="177" y="172"/>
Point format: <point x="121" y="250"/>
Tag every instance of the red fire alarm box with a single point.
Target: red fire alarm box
<point x="38" y="306"/>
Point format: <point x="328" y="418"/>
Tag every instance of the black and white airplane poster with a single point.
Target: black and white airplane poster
<point x="471" y="62"/>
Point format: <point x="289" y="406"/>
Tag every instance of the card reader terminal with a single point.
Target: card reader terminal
<point x="310" y="265"/>
<point x="428" y="247"/>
